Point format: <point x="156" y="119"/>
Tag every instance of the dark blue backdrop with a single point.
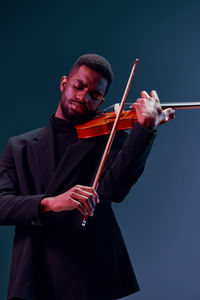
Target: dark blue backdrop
<point x="39" y="42"/>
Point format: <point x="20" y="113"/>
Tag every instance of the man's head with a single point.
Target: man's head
<point x="97" y="63"/>
<point x="84" y="89"/>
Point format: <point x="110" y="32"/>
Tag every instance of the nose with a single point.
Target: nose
<point x="82" y="96"/>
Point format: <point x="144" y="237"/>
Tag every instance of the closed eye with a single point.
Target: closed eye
<point x="78" y="87"/>
<point x="95" y="98"/>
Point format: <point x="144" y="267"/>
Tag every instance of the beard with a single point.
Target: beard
<point x="76" y="118"/>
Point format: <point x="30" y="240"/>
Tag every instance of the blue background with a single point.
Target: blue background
<point x="40" y="40"/>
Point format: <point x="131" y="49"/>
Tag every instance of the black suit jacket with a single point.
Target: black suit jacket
<point x="53" y="256"/>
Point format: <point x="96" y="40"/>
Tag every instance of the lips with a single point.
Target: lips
<point x="77" y="105"/>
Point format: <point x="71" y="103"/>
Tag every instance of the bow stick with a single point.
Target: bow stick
<point x="112" y="134"/>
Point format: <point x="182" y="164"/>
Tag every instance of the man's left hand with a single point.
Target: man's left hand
<point x="149" y="111"/>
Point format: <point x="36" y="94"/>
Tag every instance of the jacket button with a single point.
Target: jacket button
<point x="33" y="223"/>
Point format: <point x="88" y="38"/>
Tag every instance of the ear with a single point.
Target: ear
<point x="63" y="82"/>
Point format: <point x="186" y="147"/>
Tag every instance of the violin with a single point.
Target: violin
<point x="102" y="124"/>
<point x="109" y="123"/>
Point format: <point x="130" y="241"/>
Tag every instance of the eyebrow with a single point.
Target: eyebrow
<point x="83" y="84"/>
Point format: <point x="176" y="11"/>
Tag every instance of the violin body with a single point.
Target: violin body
<point x="103" y="124"/>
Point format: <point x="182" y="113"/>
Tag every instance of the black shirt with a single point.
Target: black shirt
<point x="64" y="133"/>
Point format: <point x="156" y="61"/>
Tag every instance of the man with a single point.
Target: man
<point x="45" y="190"/>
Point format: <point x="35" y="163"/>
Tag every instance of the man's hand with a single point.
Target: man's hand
<point x="84" y="198"/>
<point x="149" y="111"/>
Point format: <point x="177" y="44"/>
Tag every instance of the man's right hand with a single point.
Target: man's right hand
<point x="83" y="198"/>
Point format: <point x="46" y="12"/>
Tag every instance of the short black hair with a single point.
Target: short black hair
<point x="97" y="63"/>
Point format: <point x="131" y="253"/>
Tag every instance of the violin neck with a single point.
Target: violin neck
<point x="181" y="105"/>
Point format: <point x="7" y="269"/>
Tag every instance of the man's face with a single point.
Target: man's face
<point x="82" y="93"/>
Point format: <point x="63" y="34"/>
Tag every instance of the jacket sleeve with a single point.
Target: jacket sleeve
<point x="16" y="209"/>
<point x="127" y="164"/>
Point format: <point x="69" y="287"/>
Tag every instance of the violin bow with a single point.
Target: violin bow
<point x="112" y="133"/>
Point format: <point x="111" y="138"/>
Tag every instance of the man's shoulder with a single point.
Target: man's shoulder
<point x="30" y="136"/>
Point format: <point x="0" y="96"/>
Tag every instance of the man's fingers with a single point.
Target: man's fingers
<point x="90" y="190"/>
<point x="169" y="111"/>
<point x="88" y="195"/>
<point x="154" y="95"/>
<point x="84" y="200"/>
<point x="144" y="95"/>
<point x="79" y="206"/>
<point x="168" y="114"/>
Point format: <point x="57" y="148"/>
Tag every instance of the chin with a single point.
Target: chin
<point x="75" y="117"/>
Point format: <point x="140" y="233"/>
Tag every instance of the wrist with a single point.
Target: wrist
<point x="148" y="125"/>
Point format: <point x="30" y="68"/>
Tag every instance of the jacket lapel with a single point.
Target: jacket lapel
<point x="72" y="157"/>
<point x="44" y="153"/>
